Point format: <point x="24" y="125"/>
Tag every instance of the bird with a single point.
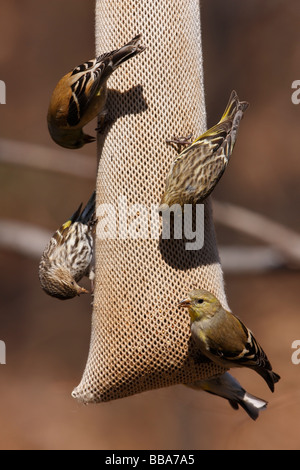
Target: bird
<point x="223" y="338"/>
<point x="81" y="95"/>
<point x="197" y="169"/>
<point x="228" y="387"/>
<point x="68" y="256"/>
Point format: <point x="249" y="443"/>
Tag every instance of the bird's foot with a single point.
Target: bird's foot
<point x="180" y="141"/>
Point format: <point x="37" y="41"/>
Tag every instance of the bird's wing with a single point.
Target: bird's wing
<point x="87" y="214"/>
<point x="236" y="343"/>
<point x="60" y="235"/>
<point x="191" y="171"/>
<point x="88" y="78"/>
<point x="226" y="336"/>
<point x="207" y="143"/>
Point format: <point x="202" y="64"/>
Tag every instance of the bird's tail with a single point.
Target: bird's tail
<point x="228" y="387"/>
<point x="251" y="404"/>
<point x="115" y="58"/>
<point x="131" y="49"/>
<point x="234" y="105"/>
<point x="89" y="210"/>
<point x="224" y="133"/>
<point x="269" y="376"/>
<point x="74" y="217"/>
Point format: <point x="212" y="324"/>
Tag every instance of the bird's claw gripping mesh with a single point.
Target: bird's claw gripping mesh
<point x="140" y="339"/>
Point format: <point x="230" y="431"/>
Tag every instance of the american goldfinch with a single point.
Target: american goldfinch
<point x="81" y="95"/>
<point x="196" y="171"/>
<point x="223" y="338"/>
<point x="68" y="256"/>
<point x="228" y="387"/>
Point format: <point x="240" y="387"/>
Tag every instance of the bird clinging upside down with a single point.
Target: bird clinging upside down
<point x="68" y="256"/>
<point x="198" y="168"/>
<point x="81" y="95"/>
<point x="226" y="386"/>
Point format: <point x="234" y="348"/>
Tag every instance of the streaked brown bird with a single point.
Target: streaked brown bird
<point x="68" y="256"/>
<point x="196" y="171"/>
<point x="81" y="95"/>
<point x="223" y="338"/>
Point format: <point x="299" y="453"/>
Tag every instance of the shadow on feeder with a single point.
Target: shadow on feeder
<point x="182" y="243"/>
<point x="120" y="104"/>
<point x="195" y="354"/>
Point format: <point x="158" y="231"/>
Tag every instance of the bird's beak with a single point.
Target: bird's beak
<point x="185" y="303"/>
<point x="82" y="290"/>
<point x="88" y="139"/>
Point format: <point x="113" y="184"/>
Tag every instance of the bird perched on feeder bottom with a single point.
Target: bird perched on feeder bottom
<point x="228" y="387"/>
<point x="196" y="171"/>
<point x="223" y="338"/>
<point x="68" y="256"/>
<point x="81" y="95"/>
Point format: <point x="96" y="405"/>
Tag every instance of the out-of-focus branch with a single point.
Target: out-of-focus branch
<point x="30" y="240"/>
<point x="284" y="240"/>
<point x="23" y="238"/>
<point x="283" y="243"/>
<point x="246" y="259"/>
<point x="44" y="158"/>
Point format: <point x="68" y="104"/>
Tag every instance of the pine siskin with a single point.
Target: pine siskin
<point x="196" y="171"/>
<point x="68" y="256"/>
<point x="81" y="95"/>
<point x="228" y="387"/>
<point x="223" y="338"/>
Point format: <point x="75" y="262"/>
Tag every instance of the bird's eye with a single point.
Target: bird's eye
<point x="199" y="301"/>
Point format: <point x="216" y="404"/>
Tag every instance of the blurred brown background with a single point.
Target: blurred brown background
<point x="251" y="46"/>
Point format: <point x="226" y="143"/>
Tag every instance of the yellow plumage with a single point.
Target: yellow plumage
<point x="223" y="338"/>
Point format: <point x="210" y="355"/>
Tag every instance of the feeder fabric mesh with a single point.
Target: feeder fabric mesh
<point x="140" y="339"/>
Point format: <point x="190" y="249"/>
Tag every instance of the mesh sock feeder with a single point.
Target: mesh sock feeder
<point x="140" y="338"/>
